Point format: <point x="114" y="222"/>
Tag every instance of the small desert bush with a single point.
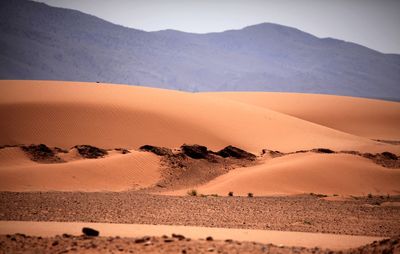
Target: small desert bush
<point x="369" y="195"/>
<point x="230" y="194"/>
<point x="250" y="195"/>
<point x="192" y="193"/>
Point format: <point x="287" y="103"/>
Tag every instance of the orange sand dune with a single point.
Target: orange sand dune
<point x="375" y="119"/>
<point x="65" y="114"/>
<point x="117" y="172"/>
<point x="341" y="174"/>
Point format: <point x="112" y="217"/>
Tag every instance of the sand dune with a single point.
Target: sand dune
<point x="118" y="172"/>
<point x="375" y="119"/>
<point x="340" y="174"/>
<point x="67" y="113"/>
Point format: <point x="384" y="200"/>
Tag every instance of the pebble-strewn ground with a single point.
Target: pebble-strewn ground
<point x="167" y="244"/>
<point x="307" y="213"/>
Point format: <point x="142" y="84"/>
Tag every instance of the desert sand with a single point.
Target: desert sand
<point x="116" y="172"/>
<point x="370" y="118"/>
<point x="309" y="240"/>
<point x="340" y="174"/>
<point x="283" y="132"/>
<point x="65" y="114"/>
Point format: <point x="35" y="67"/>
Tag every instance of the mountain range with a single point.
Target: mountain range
<point x="47" y="43"/>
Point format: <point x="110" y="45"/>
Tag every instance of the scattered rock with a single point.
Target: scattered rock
<point x="140" y="240"/>
<point x="179" y="237"/>
<point x="209" y="238"/>
<point x="273" y="154"/>
<point x="90" y="152"/>
<point x="90" y="232"/>
<point x="351" y="152"/>
<point x="161" y="151"/>
<point x="231" y="151"/>
<point x="122" y="150"/>
<point x="195" y="151"/>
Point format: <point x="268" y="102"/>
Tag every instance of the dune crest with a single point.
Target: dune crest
<point x="64" y="114"/>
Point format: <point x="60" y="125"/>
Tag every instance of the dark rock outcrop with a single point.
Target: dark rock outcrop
<point x="161" y="151"/>
<point x="195" y="151"/>
<point x="231" y="151"/>
<point x="41" y="153"/>
<point x="389" y="156"/>
<point x="322" y="150"/>
<point x="90" y="152"/>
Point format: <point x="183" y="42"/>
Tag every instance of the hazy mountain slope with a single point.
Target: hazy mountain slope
<point x="42" y="42"/>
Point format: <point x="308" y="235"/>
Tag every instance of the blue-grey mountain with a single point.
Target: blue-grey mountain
<point x="42" y="42"/>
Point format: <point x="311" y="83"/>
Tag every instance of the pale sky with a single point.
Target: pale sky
<point x="372" y="23"/>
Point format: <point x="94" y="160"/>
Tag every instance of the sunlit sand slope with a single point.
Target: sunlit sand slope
<point x="65" y="114"/>
<point x="369" y="118"/>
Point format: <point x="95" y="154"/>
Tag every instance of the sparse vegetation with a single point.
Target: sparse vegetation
<point x="230" y="194"/>
<point x="192" y="192"/>
<point x="307" y="222"/>
<point x="335" y="195"/>
<point x="250" y="195"/>
<point x="369" y="195"/>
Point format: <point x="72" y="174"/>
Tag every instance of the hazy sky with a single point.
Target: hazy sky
<point x="372" y="23"/>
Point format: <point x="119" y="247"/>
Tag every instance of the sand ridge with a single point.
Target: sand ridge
<point x="64" y="114"/>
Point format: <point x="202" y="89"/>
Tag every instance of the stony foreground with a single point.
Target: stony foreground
<point x="307" y="213"/>
<point x="20" y="243"/>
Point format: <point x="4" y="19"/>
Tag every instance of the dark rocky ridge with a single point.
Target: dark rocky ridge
<point x="161" y="151"/>
<point x="90" y="152"/>
<point x="231" y="151"/>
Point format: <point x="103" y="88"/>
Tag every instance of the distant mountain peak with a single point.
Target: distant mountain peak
<point x="43" y="42"/>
